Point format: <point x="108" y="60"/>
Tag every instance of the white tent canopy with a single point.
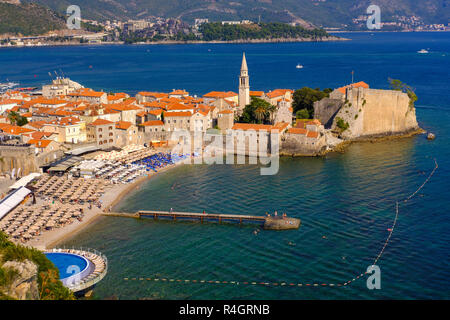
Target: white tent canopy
<point x="25" y="180"/>
<point x="12" y="200"/>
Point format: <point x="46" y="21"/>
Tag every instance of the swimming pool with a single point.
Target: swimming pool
<point x="68" y="264"/>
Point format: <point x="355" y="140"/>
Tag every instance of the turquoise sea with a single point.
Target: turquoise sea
<point x="346" y="201"/>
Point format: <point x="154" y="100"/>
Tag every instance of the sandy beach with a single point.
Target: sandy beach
<point x="112" y="196"/>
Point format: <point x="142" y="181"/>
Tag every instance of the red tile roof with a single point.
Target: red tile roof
<point x="44" y="101"/>
<point x="152" y="123"/>
<point x="123" y="107"/>
<point x="312" y="134"/>
<point x="220" y="94"/>
<point x="227" y="112"/>
<point x="171" y="100"/>
<point x="39" y="135"/>
<point x="178" y="106"/>
<point x="256" y="93"/>
<point x="37" y="124"/>
<point x="117" y="96"/>
<point x="155" y="112"/>
<point x="202" y="112"/>
<point x="40" y="143"/>
<point x="277" y="93"/>
<point x="9" y="101"/>
<point x="360" y="84"/>
<point x="157" y="95"/>
<point x="85" y="92"/>
<point x="100" y="122"/>
<point x="123" y="125"/>
<point x="297" y="131"/>
<point x="177" y="114"/>
<point x="309" y="134"/>
<point x="252" y="126"/>
<point x="301" y="123"/>
<point x="281" y="125"/>
<point x="178" y="92"/>
<point x="16" y="130"/>
<point x="65" y="121"/>
<point x="154" y="104"/>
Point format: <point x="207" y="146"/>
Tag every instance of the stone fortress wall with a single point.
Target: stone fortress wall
<point x="326" y="109"/>
<point x="369" y="113"/>
<point x="301" y="145"/>
<point x="18" y="157"/>
<point x="23" y="157"/>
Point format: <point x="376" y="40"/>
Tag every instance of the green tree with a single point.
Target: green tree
<point x="12" y="117"/>
<point x="217" y="31"/>
<point x="305" y="97"/>
<point x="50" y="287"/>
<point x="341" y="124"/>
<point x="258" y="111"/>
<point x="398" y="85"/>
<point x="17" y="119"/>
<point x="302" y="114"/>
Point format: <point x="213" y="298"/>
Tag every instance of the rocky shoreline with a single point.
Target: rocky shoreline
<point x="342" y="146"/>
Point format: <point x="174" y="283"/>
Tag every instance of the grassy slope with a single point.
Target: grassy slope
<point x="48" y="276"/>
<point x="28" y="19"/>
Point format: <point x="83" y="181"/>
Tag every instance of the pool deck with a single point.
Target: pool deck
<point x="96" y="272"/>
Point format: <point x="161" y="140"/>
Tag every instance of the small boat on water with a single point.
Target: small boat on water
<point x="423" y="51"/>
<point x="299" y="66"/>
<point x="7" y="85"/>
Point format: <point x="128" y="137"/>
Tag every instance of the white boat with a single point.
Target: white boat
<point x="7" y="86"/>
<point x="299" y="66"/>
<point x="422" y="51"/>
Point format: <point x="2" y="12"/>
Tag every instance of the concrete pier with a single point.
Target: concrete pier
<point x="268" y="223"/>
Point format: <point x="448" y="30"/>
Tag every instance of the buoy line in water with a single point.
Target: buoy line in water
<point x="290" y="284"/>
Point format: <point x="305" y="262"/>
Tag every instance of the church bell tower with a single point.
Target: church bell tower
<point x="244" y="86"/>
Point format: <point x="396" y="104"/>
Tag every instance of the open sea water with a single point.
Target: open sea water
<point x="346" y="201"/>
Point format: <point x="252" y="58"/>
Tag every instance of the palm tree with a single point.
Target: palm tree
<point x="12" y="117"/>
<point x="260" y="113"/>
<point x="271" y="109"/>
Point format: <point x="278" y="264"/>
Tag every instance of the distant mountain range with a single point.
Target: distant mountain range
<point x="31" y="17"/>
<point x="326" y="13"/>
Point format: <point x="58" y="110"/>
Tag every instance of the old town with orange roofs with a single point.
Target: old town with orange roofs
<point x="65" y="120"/>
